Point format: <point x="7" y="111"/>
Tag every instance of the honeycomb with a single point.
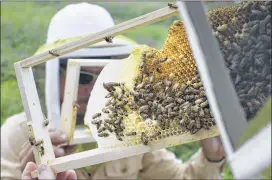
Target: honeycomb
<point x="168" y="80"/>
<point x="179" y="67"/>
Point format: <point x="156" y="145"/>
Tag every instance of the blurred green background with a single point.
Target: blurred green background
<point x="24" y="27"/>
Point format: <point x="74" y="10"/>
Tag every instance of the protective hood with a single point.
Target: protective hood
<point x="70" y="23"/>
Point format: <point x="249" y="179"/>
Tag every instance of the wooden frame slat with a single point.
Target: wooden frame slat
<point x="69" y="107"/>
<point x="97" y="37"/>
<point x="101" y="155"/>
<point x="33" y="111"/>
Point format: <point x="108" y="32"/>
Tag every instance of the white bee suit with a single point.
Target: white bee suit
<point x="74" y="20"/>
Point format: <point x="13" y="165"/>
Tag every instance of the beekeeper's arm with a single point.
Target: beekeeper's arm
<point x="163" y="164"/>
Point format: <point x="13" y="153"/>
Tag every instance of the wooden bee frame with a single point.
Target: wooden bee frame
<point x="32" y="105"/>
<point x="222" y="102"/>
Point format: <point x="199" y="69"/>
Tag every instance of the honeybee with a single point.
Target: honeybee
<point x="122" y="126"/>
<point x="199" y="101"/>
<point x="108" y="127"/>
<point x="201" y="113"/>
<point x="205" y="126"/>
<point x="96" y="115"/>
<point x="104" y="110"/>
<point x="197" y="85"/>
<point x="110" y="85"/>
<point x="142" y="65"/>
<point x="193" y="131"/>
<point x="149" y="54"/>
<point x="183" y="122"/>
<point x="154" y="105"/>
<point x="46" y="122"/>
<point x="144" y="138"/>
<point x="96" y="121"/>
<point x="180" y="100"/>
<point x="117" y="121"/>
<point x="155" y="135"/>
<point x="198" y="125"/>
<point x="160" y="117"/>
<point x="108" y="103"/>
<point x="195" y="78"/>
<point x="172" y="5"/>
<point x="118" y="137"/>
<point x="181" y="112"/>
<point x="176" y="108"/>
<point x="54" y="53"/>
<point x="191" y="90"/>
<point x="191" y="124"/>
<point x="109" y="39"/>
<point x="169" y="100"/>
<point x="102" y="128"/>
<point x="158" y="69"/>
<point x="111" y="116"/>
<point x="166" y="123"/>
<point x="195" y="108"/>
<point x="140" y="86"/>
<point x="157" y="85"/>
<point x="143" y="55"/>
<point x="204" y="104"/>
<point x="171" y="105"/>
<point x="32" y="141"/>
<point x="178" y="94"/>
<point x="175" y="87"/>
<point x="38" y="142"/>
<point x="183" y="87"/>
<point x="108" y="95"/>
<point x="144" y="116"/>
<point x="132" y="133"/>
<point x="103" y="134"/>
<point x="87" y="126"/>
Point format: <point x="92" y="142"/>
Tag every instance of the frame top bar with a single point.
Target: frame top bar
<point x="146" y="19"/>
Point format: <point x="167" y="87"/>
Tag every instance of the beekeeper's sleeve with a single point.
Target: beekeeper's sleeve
<point x="163" y="164"/>
<point x="13" y="136"/>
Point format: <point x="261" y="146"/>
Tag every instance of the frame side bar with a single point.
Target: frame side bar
<point x="221" y="94"/>
<point x="97" y="37"/>
<point x="34" y="113"/>
<point x="69" y="104"/>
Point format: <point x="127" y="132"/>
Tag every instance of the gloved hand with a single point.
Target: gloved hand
<point x="57" y="138"/>
<point x="213" y="149"/>
<point x="43" y="173"/>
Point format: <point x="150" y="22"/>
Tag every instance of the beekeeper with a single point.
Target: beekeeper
<point x="69" y="23"/>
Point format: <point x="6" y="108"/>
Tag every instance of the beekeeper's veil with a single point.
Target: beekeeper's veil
<point x="68" y="24"/>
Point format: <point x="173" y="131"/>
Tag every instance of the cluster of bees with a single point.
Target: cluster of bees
<point x="167" y="89"/>
<point x="38" y="144"/>
<point x="167" y="103"/>
<point x="116" y="109"/>
<point x="244" y="35"/>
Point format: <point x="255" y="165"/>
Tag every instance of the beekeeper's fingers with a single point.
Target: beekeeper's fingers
<point x="30" y="166"/>
<point x="26" y="155"/>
